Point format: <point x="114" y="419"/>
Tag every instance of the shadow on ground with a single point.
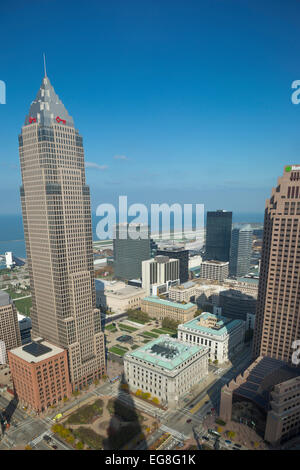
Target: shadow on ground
<point x="125" y="430"/>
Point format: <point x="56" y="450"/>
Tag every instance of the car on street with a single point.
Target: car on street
<point x="227" y="441"/>
<point x="238" y="446"/>
<point x="188" y="420"/>
<point x="54" y="447"/>
<point x="205" y="438"/>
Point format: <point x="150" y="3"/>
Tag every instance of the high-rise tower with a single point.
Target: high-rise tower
<point x="277" y="322"/>
<point x="240" y="250"/>
<point x="218" y="235"/>
<point x="58" y="234"/>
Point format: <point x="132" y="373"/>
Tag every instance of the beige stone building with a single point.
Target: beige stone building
<point x="9" y="327"/>
<point x="161" y="308"/>
<point x="117" y="296"/>
<point x="166" y="368"/>
<point x="57" y="226"/>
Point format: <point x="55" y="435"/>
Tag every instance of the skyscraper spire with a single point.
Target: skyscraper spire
<point x="45" y="69"/>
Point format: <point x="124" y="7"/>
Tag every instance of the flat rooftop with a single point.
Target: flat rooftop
<point x="4" y="298"/>
<point x="185" y="285"/>
<point x="36" y="351"/>
<point x="169" y="303"/>
<point x="124" y="292"/>
<point x="224" y="325"/>
<point x="165" y="352"/>
<point x="212" y="261"/>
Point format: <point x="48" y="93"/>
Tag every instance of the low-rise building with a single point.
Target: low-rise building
<point x="200" y="293"/>
<point x="267" y="397"/>
<point x="246" y="285"/>
<point x="162" y="308"/>
<point x="166" y="368"/>
<point x="117" y="296"/>
<point x="214" y="270"/>
<point x="40" y="374"/>
<point x="223" y="337"/>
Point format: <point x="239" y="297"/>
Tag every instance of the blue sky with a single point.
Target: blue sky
<point x="177" y="101"/>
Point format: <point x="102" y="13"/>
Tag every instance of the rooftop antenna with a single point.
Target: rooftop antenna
<point x="45" y="70"/>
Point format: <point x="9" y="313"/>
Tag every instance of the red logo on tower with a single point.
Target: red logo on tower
<point x="31" y="120"/>
<point x="60" y="120"/>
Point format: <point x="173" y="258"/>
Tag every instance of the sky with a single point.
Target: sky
<point x="177" y="101"/>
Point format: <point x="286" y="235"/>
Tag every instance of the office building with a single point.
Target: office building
<point x="267" y="396"/>
<point x="25" y="327"/>
<point x="246" y="285"/>
<point x="214" y="270"/>
<point x="218" y="235"/>
<point x="235" y="304"/>
<point x="240" y="251"/>
<point x="223" y="337"/>
<point x="271" y="383"/>
<point x="58" y="235"/>
<point x="166" y="368"/>
<point x="40" y="374"/>
<point x="277" y="315"/>
<point x="129" y="253"/>
<point x="159" y="273"/>
<point x="162" y="308"/>
<point x="182" y="255"/>
<point x="9" y="327"/>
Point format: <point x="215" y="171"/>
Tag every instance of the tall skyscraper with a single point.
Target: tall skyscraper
<point x="58" y="234"/>
<point x="129" y="253"/>
<point x="218" y="235"/>
<point x="277" y="315"/>
<point x="178" y="253"/>
<point x="240" y="251"/>
<point x="9" y="327"/>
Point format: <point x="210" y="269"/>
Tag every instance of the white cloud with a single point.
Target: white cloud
<point x="95" y="165"/>
<point x="120" y="157"/>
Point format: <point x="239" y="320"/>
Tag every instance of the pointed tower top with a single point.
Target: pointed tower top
<point x="47" y="108"/>
<point x="45" y="69"/>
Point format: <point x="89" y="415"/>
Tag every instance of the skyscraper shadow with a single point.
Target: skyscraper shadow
<point x="125" y="428"/>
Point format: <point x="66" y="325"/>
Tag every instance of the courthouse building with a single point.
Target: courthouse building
<point x="166" y="368"/>
<point x="223" y="337"/>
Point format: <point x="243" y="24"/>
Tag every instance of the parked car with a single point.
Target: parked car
<point x="228" y="441"/>
<point x="238" y="446"/>
<point x="188" y="420"/>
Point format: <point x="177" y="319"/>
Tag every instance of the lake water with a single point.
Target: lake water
<point x="12" y="235"/>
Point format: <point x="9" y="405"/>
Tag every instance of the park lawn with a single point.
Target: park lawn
<point x="118" y="350"/>
<point x="111" y="328"/>
<point x="151" y="335"/>
<point x="89" y="437"/>
<point x="14" y="295"/>
<point x="127" y="327"/>
<point x="164" y="331"/>
<point x="23" y="306"/>
<point x="134" y="346"/>
<point x="87" y="413"/>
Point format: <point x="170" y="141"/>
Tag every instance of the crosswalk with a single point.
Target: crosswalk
<point x="173" y="432"/>
<point x="40" y="438"/>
